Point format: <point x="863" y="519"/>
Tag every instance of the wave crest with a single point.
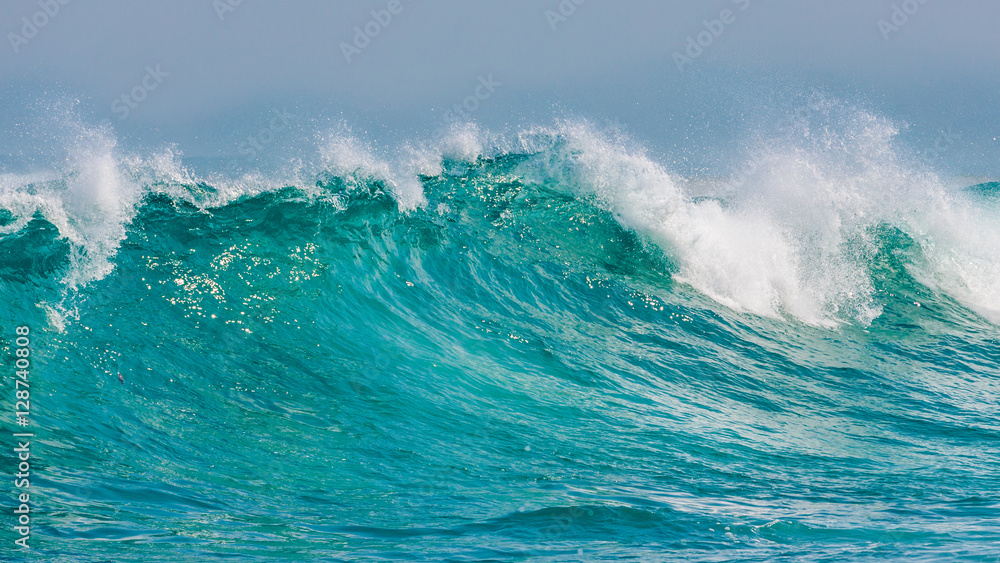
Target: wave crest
<point x="795" y="233"/>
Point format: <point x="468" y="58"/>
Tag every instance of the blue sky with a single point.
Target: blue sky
<point x="397" y="67"/>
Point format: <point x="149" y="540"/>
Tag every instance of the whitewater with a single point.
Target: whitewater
<point x="537" y="344"/>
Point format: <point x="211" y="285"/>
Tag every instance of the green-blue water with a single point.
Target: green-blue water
<point x="516" y="369"/>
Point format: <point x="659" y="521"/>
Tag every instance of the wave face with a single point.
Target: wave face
<point x="540" y="347"/>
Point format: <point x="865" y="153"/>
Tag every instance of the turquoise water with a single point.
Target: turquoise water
<point x="550" y="351"/>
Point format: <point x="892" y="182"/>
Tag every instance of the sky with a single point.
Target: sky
<point x="689" y="80"/>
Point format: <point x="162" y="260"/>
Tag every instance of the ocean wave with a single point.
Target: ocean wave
<point x="795" y="233"/>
